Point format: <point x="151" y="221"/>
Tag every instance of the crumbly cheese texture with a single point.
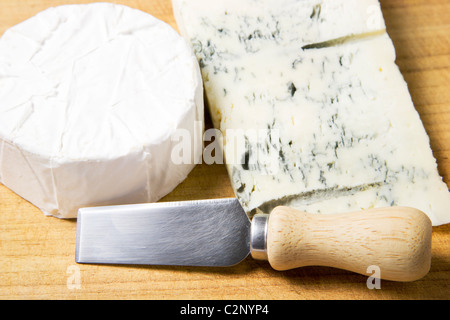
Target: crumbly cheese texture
<point x="319" y="77"/>
<point x="90" y="98"/>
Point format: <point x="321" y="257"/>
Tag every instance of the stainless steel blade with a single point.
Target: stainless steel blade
<point x="193" y="233"/>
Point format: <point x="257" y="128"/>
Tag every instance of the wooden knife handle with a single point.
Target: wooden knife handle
<point x="397" y="240"/>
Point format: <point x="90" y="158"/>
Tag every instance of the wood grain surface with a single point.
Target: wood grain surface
<point x="37" y="252"/>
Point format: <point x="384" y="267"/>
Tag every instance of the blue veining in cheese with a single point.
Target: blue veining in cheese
<point x="322" y="75"/>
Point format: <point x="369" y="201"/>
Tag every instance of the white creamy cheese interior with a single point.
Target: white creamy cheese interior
<point x="320" y="76"/>
<point x="90" y="97"/>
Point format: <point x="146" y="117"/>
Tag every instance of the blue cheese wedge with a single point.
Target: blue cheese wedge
<point x="320" y="79"/>
<point x="90" y="99"/>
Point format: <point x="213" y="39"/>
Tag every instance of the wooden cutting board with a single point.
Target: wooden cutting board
<point x="37" y="252"/>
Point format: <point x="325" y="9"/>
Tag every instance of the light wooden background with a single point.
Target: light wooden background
<point x="37" y="252"/>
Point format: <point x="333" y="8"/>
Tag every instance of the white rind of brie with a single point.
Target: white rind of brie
<point x="90" y="98"/>
<point x="321" y="74"/>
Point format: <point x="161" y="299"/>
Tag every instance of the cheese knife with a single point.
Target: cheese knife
<point x="218" y="233"/>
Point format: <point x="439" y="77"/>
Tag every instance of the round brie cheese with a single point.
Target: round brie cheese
<point x="91" y="97"/>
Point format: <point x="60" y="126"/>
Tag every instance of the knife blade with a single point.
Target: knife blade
<point x="195" y="233"/>
<point x="218" y="233"/>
